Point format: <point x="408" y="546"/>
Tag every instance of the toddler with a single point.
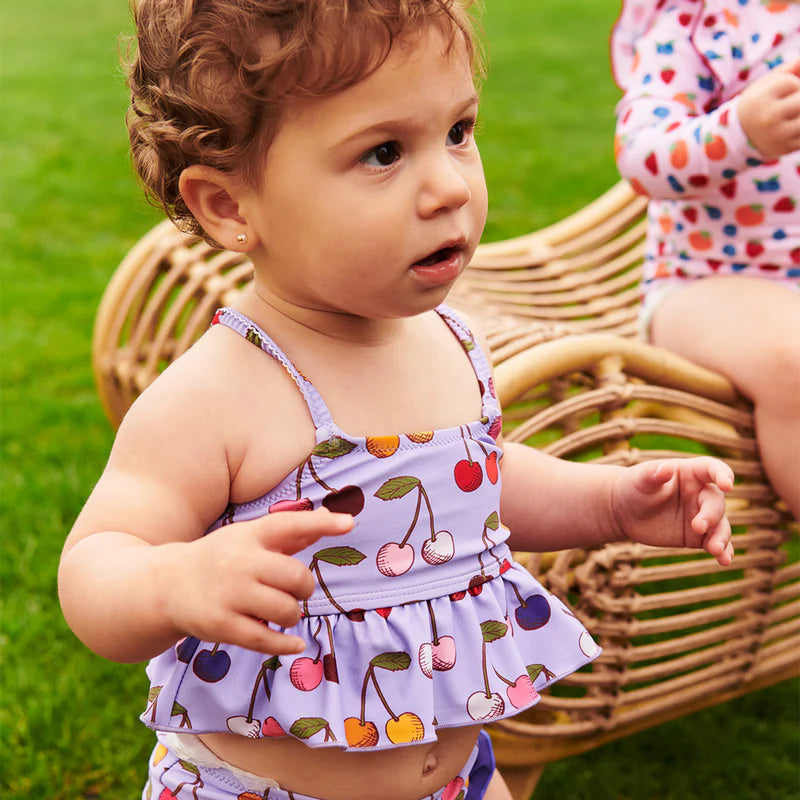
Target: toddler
<point x="306" y="522"/>
<point x="709" y="129"/>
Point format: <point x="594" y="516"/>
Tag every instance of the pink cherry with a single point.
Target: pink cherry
<point x="306" y="674"/>
<point x="302" y="504"/>
<point x="453" y="788"/>
<point x="522" y="693"/>
<point x="394" y="559"/>
<point x="444" y="653"/>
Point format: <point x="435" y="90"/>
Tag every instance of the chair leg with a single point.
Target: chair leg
<point x="521" y="781"/>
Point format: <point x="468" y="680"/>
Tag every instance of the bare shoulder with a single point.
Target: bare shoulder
<point x="211" y="429"/>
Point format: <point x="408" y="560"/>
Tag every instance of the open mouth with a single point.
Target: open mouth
<point x="437" y="257"/>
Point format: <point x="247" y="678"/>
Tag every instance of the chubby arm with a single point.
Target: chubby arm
<point x="554" y="504"/>
<point x="137" y="573"/>
<point x="671" y="139"/>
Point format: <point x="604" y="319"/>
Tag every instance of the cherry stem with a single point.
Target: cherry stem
<point x="314" y="637"/>
<point x="477" y="443"/>
<point x="433" y="623"/>
<point x="315" y="566"/>
<point x="317" y="477"/>
<point x="416" y="517"/>
<point x="505" y="680"/>
<point x="519" y="597"/>
<point x="424" y="494"/>
<point x="380" y="695"/>
<point x="485" y="671"/>
<point x="464" y="439"/>
<point x="330" y="635"/>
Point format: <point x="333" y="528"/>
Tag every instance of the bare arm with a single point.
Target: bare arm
<point x="137" y="572"/>
<point x="553" y="504"/>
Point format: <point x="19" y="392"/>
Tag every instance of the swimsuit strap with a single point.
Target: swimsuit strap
<point x="476" y="355"/>
<point x="244" y="326"/>
<point x="320" y="414"/>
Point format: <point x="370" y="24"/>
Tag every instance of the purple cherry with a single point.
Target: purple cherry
<point x="211" y="665"/>
<point x="185" y="649"/>
<point x="533" y="613"/>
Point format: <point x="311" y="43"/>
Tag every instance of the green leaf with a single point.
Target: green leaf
<point x="189" y="767"/>
<point x="273" y="663"/>
<point x="154" y="692"/>
<point x="492" y="521"/>
<point x="492" y="630"/>
<point x="534" y="670"/>
<point x="177" y="709"/>
<point x="306" y="727"/>
<point x="395" y="662"/>
<point x="340" y="556"/>
<point x="467" y="344"/>
<point x="333" y="448"/>
<point x="398" y="487"/>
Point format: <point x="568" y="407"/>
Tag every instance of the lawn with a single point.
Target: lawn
<point x="71" y="210"/>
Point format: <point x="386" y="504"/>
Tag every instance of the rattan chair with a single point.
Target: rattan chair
<point x="559" y="306"/>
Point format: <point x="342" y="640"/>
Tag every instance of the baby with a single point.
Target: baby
<point x="306" y="522"/>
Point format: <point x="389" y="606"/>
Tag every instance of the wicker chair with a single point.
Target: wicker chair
<point x="679" y="633"/>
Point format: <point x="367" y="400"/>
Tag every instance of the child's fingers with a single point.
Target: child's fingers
<point x="718" y="542"/>
<point x="653" y="478"/>
<point x="253" y="634"/>
<point x="290" y="532"/>
<point x="792" y="66"/>
<point x="720" y="474"/>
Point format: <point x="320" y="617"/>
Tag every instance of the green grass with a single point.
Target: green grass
<point x="71" y="209"/>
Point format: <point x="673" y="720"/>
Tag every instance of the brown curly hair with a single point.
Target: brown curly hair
<point x="210" y="79"/>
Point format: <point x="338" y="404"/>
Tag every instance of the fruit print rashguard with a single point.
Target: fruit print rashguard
<point x="420" y="617"/>
<point x="717" y="205"/>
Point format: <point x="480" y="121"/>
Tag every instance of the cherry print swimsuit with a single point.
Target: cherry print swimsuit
<point x="419" y="619"/>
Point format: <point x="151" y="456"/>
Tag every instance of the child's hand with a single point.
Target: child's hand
<point x="222" y="587"/>
<point x="679" y="502"/>
<point x="769" y="111"/>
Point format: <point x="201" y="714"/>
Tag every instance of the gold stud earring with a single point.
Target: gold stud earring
<point x="241" y="238"/>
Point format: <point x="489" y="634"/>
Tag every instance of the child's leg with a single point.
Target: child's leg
<point x="497" y="789"/>
<point x="748" y="329"/>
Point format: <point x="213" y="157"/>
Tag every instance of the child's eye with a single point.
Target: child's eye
<point x="461" y="131"/>
<point x="384" y="155"/>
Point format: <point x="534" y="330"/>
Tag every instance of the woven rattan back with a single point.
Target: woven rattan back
<point x="679" y="632"/>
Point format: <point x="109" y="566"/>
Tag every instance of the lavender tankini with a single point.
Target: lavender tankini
<point x="420" y="618"/>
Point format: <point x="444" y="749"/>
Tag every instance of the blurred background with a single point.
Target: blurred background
<point x="71" y="209"/>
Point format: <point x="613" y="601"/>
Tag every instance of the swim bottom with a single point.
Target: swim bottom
<point x="172" y="777"/>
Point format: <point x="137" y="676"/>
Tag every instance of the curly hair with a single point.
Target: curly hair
<point x="210" y="79"/>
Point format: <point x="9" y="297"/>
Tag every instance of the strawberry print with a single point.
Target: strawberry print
<point x="678" y="139"/>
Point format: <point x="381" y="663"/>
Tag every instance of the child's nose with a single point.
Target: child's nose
<point x="445" y="185"/>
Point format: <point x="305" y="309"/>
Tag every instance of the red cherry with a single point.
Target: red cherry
<point x="492" y="473"/>
<point x="468" y="475"/>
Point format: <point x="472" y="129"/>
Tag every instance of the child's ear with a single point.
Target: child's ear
<point x="211" y="196"/>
